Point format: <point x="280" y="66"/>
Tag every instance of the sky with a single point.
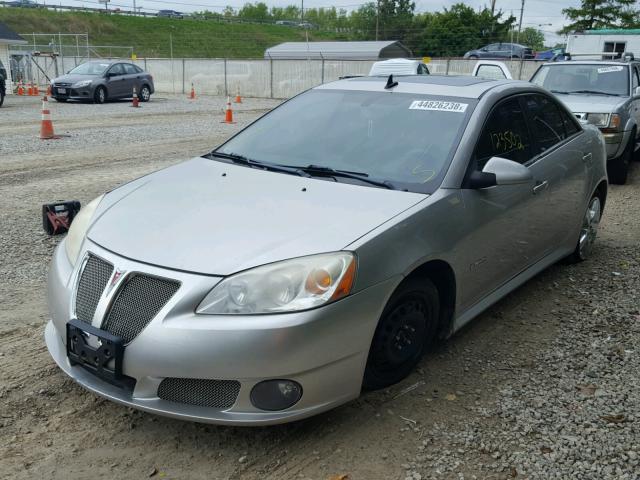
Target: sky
<point x="546" y="15"/>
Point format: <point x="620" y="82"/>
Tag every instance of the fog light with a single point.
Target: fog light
<point x="275" y="394"/>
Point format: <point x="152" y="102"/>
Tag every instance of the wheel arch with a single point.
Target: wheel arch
<point x="443" y="277"/>
<point x="601" y="191"/>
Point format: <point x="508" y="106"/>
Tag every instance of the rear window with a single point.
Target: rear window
<point x="407" y="139"/>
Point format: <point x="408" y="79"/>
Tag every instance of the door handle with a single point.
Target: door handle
<point x="587" y="157"/>
<point x="540" y="186"/>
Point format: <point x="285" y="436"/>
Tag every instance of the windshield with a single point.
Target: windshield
<point x="405" y="139"/>
<point x="607" y="79"/>
<point x="90" y="68"/>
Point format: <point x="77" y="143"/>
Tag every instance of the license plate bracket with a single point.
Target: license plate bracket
<point x="62" y="91"/>
<point x="102" y="355"/>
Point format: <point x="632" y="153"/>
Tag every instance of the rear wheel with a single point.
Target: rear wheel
<point x="618" y="168"/>
<point x="145" y="93"/>
<point x="588" y="231"/>
<point x="100" y="95"/>
<point x="405" y="330"/>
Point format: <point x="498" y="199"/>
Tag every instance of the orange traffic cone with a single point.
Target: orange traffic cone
<point x="238" y="97"/>
<point x="20" y="88"/>
<point x="192" y="95"/>
<point x="48" y="90"/>
<point x="46" y="126"/>
<point x="30" y="90"/>
<point x="36" y="90"/>
<point x="228" y="117"/>
<point x="136" y="102"/>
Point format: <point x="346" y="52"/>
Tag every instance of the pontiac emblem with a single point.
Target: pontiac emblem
<point x="114" y="280"/>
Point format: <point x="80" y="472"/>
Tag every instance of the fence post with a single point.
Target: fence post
<point x="270" y="77"/>
<point x="183" y="91"/>
<point x="520" y="69"/>
<point x="446" y="72"/>
<point x="226" y="84"/>
<point x="322" y="77"/>
<point x="145" y="64"/>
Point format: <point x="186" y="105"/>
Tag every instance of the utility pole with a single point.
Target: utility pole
<point x="377" y="18"/>
<point x="302" y="12"/>
<point x="520" y="25"/>
<point x="493" y="7"/>
<point x="134" y="7"/>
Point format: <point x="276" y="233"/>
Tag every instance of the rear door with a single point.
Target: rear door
<point x="133" y="77"/>
<point x="561" y="165"/>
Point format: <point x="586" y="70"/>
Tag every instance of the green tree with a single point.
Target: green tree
<point x="532" y="37"/>
<point x="593" y="14"/>
<point x="453" y="31"/>
<point x="258" y="11"/>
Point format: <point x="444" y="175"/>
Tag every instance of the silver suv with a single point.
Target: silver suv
<point x="605" y="94"/>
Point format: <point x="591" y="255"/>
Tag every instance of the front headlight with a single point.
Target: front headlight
<point x="598" y="119"/>
<point x="78" y="229"/>
<point x="287" y="286"/>
<point x="83" y="83"/>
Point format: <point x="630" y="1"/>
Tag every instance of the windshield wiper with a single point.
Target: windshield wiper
<point x="595" y="92"/>
<point x="318" y="170"/>
<point x="248" y="162"/>
<point x="561" y="92"/>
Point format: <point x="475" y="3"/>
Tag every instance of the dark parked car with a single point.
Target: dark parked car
<point x="550" y="54"/>
<point x="501" y="50"/>
<point x="23" y="4"/>
<point x="100" y="81"/>
<point x="170" y="14"/>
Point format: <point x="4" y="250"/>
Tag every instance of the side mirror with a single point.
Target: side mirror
<point x="500" y="171"/>
<point x="636" y="92"/>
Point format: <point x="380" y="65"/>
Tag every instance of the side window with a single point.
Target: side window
<point x="570" y="123"/>
<point x="422" y="69"/>
<point x="547" y="123"/>
<point x="129" y="69"/>
<point x="138" y="69"/>
<point x="635" y="82"/>
<point x="116" y="69"/>
<point x="504" y="135"/>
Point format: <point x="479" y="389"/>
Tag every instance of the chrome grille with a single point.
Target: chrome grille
<point x="136" y="303"/>
<point x="93" y="280"/>
<point x="203" y="393"/>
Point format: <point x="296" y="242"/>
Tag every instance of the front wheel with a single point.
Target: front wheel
<point x="145" y="93"/>
<point x="618" y="168"/>
<point x="100" y="95"/>
<point x="405" y="330"/>
<point x="588" y="231"/>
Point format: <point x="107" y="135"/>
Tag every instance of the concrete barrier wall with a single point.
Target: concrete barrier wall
<point x="272" y="78"/>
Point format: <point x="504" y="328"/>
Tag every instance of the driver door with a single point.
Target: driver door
<point x="116" y="81"/>
<point x="504" y="219"/>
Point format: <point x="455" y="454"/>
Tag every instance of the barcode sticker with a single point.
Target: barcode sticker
<point x="438" y="106"/>
<point x="615" y="68"/>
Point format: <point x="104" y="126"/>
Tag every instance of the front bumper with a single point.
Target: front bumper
<point x="84" y="93"/>
<point x="615" y="143"/>
<point x="324" y="350"/>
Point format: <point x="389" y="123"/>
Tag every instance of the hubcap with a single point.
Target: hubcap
<point x="589" y="228"/>
<point x="145" y="94"/>
<point x="101" y="95"/>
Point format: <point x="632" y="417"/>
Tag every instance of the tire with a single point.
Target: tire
<point x="588" y="231"/>
<point x="61" y="100"/>
<point x="145" y="93"/>
<point x="405" y="330"/>
<point x="100" y="95"/>
<point x="618" y="168"/>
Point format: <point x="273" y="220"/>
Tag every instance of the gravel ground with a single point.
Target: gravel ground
<point x="543" y="385"/>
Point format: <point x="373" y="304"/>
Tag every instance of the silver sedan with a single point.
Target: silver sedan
<point x="321" y="250"/>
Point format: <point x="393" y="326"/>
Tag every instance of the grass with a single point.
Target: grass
<point x="153" y="37"/>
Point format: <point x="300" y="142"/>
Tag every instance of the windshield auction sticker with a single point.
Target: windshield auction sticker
<point x="438" y="106"/>
<point x="610" y="69"/>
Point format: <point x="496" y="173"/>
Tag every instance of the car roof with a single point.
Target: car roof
<point x="592" y="62"/>
<point x="445" y="85"/>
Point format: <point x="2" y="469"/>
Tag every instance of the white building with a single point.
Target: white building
<point x="8" y="37"/>
<point x="606" y="44"/>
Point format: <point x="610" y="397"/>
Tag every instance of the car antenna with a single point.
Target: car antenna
<point x="390" y="83"/>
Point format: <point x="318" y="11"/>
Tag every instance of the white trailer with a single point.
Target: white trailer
<point x="606" y="44"/>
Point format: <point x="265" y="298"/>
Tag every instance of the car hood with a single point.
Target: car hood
<point x="214" y="218"/>
<point x="585" y="103"/>
<point x="74" y="78"/>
